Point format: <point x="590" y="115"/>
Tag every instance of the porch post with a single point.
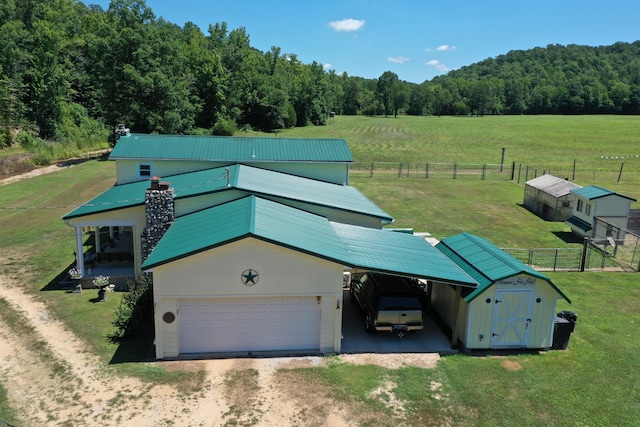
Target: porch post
<point x="96" y="234"/>
<point x="111" y="234"/>
<point x="456" y="310"/>
<point x="79" y="250"/>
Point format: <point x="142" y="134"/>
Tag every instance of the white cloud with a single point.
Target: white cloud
<point x="437" y="65"/>
<point x="398" y="59"/>
<point x="442" y="48"/>
<point x="347" y="24"/>
<point x="327" y="66"/>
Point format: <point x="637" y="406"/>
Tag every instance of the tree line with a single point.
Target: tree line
<point x="70" y="70"/>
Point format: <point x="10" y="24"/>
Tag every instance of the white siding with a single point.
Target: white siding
<point x="443" y="302"/>
<point x="612" y="206"/>
<point x="127" y="170"/>
<point x="217" y="274"/>
<point x="194" y="204"/>
<point x="475" y="320"/>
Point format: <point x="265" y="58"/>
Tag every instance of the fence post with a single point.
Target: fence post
<point x="620" y="174"/>
<point x="371" y="171"/>
<point x="513" y="169"/>
<point x="484" y="168"/>
<point x="526" y="175"/>
<point x="519" y="172"/>
<point x="426" y="171"/>
<point x="573" y="177"/>
<point x="400" y="170"/>
<point x="455" y="170"/>
<point x="555" y="260"/>
<point x="585" y="247"/>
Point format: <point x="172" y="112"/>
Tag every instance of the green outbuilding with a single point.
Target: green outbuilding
<point x="513" y="306"/>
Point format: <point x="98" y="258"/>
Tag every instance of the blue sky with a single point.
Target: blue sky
<point x="416" y="39"/>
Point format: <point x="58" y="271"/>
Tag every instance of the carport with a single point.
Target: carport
<point x="412" y="256"/>
<point x="274" y="271"/>
<point x="432" y="339"/>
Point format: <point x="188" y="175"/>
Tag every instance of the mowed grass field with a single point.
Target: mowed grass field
<point x="595" y="383"/>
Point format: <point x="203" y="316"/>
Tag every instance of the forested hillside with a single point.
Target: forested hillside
<point x="552" y="80"/>
<point x="69" y="71"/>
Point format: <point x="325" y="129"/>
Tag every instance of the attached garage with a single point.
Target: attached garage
<point x="249" y="324"/>
<point x="513" y="306"/>
<point x="253" y="275"/>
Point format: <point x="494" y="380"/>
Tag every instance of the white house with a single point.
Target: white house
<point x="141" y="156"/>
<point x="247" y="248"/>
<point x="593" y="202"/>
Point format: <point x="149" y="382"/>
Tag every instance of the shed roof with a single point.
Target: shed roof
<point x="580" y="223"/>
<point x="231" y="149"/>
<point x="592" y="192"/>
<point x="485" y="262"/>
<point x="304" y="232"/>
<point x="240" y="177"/>
<point x="552" y="185"/>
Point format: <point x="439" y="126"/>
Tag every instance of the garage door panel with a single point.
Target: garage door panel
<point x="242" y="324"/>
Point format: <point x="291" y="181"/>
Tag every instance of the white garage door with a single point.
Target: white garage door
<point x="249" y="324"/>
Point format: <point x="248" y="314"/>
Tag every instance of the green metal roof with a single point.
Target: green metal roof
<point x="304" y="232"/>
<point x="116" y="197"/>
<point x="250" y="216"/>
<point x="485" y="262"/>
<point x="397" y="253"/>
<point x="231" y="149"/>
<point x="581" y="224"/>
<point x="592" y="192"/>
<point x="240" y="177"/>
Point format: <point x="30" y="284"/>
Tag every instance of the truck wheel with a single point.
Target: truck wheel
<point x="368" y="325"/>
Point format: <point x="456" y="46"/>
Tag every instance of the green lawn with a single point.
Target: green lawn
<point x="596" y="382"/>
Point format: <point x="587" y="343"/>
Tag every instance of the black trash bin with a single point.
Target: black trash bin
<point x="564" y="325"/>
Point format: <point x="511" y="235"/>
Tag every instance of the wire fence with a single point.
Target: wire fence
<point x="594" y="257"/>
<point x="434" y="170"/>
<point x="619" y="243"/>
<point x="593" y="172"/>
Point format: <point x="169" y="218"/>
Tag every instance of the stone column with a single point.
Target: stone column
<point x="160" y="214"/>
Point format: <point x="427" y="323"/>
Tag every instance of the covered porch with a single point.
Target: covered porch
<point x="105" y="250"/>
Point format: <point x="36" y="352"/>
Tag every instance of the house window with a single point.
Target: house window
<point x="144" y="170"/>
<point x="587" y="209"/>
<point x="579" y="206"/>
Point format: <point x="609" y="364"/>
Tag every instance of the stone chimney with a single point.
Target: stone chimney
<point x="160" y="214"/>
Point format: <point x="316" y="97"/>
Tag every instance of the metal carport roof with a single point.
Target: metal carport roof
<point x="352" y="246"/>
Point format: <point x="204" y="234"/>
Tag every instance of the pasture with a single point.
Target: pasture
<point x="596" y="382"/>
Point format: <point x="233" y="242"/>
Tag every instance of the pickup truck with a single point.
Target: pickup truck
<point x="389" y="303"/>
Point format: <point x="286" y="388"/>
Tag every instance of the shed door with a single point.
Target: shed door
<point x="249" y="324"/>
<point x="511" y="318"/>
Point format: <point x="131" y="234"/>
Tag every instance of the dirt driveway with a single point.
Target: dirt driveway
<point x="51" y="380"/>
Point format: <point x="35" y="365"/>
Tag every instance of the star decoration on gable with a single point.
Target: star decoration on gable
<point x="250" y="277"/>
